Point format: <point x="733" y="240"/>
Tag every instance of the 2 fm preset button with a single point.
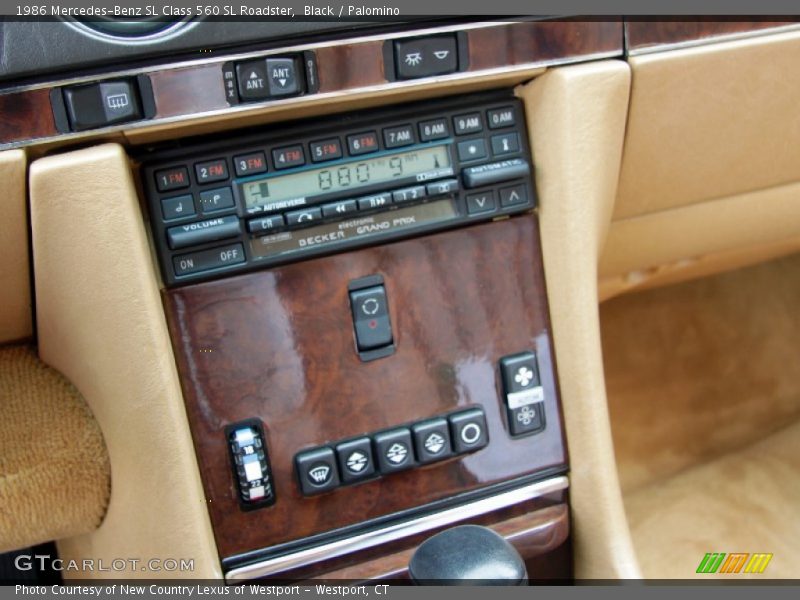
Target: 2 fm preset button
<point x="205" y="260"/>
<point x="316" y="470"/>
<point x="432" y="440"/>
<point x="393" y="450"/>
<point x="355" y="459"/>
<point x="213" y="170"/>
<point x="468" y="430"/>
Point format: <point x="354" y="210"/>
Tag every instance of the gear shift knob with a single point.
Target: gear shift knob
<point x="467" y="555"/>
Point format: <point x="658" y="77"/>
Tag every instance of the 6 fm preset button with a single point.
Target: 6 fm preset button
<point x="362" y="143"/>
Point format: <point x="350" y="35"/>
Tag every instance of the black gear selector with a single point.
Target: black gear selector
<point x="467" y="555"/>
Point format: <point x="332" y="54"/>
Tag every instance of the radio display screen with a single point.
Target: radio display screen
<point x="332" y="179"/>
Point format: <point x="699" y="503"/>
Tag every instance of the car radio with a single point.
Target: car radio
<point x="335" y="183"/>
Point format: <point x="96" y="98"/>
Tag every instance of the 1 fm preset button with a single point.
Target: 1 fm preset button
<point x="316" y="470"/>
<point x="393" y="450"/>
<point x="355" y="459"/>
<point x="468" y="430"/>
<point x="432" y="440"/>
<point x="176" y="178"/>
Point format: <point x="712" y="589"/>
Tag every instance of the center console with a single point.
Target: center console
<point x="359" y="316"/>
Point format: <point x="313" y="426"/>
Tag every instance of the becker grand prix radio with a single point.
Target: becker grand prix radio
<point x="340" y="182"/>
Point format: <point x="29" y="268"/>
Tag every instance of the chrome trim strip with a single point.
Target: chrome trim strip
<point x="715" y="39"/>
<point x="394" y="532"/>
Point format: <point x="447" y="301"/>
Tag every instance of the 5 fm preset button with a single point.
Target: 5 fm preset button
<point x="326" y="150"/>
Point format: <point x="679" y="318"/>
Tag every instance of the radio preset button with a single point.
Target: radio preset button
<point x="501" y="117"/>
<point x="436" y="129"/>
<point x="445" y="186"/>
<point x="290" y="156"/>
<point x="213" y="200"/>
<point x="250" y="164"/>
<point x="409" y="194"/>
<point x="514" y="195"/>
<point x="396" y="137"/>
<point x="205" y="260"/>
<point x="213" y="170"/>
<point x="201" y="232"/>
<point x="282" y="77"/>
<point x="494" y="172"/>
<point x="172" y="179"/>
<point x="505" y="143"/>
<point x="336" y="209"/>
<point x="265" y="224"/>
<point x="362" y="143"/>
<point x="481" y="202"/>
<point x="469" y="123"/>
<point x="177" y="208"/>
<point x="471" y="150"/>
<point x="326" y="150"/>
<point x="376" y="201"/>
<point x="303" y="217"/>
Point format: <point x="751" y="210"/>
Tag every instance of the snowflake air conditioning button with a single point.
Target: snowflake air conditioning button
<point x="523" y="392"/>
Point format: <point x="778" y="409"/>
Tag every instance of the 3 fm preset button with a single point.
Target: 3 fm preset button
<point x="316" y="470"/>
<point x="393" y="450"/>
<point x="468" y="430"/>
<point x="250" y="164"/>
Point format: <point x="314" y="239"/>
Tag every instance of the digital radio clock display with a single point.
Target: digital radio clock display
<point x="283" y="191"/>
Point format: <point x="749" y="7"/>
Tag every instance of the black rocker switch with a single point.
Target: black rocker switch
<point x="373" y="329"/>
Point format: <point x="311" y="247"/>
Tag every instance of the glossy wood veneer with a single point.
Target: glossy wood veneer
<point x="192" y="90"/>
<point x="278" y="345"/>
